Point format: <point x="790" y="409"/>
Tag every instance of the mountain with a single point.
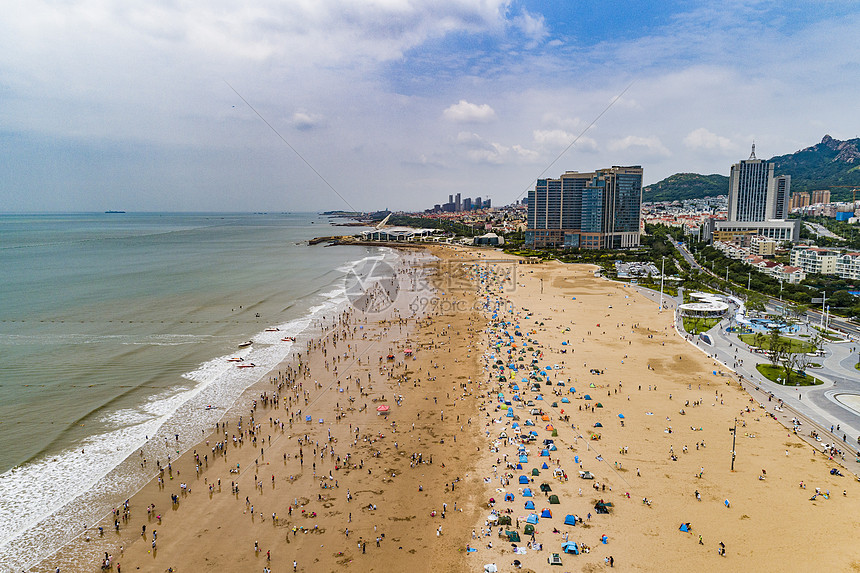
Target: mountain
<point x="825" y="165"/>
<point x="686" y="186"/>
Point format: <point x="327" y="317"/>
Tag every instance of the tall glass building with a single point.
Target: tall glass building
<point x="599" y="210"/>
<point x="755" y="194"/>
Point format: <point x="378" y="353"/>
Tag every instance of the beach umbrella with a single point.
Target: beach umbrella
<point x="383" y="408"/>
<point x="621" y="416"/>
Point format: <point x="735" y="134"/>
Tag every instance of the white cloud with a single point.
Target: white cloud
<point x="701" y="138"/>
<point x="465" y="112"/>
<point x="479" y="150"/>
<point x="304" y="121"/>
<point x="651" y="145"/>
<point x="533" y="27"/>
<point x="557" y="139"/>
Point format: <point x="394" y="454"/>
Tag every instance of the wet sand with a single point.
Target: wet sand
<point x="449" y="388"/>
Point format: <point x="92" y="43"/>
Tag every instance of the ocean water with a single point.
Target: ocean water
<point x="115" y="328"/>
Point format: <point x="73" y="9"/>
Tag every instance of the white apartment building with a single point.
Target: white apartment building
<point x="848" y="266"/>
<point x="814" y="260"/>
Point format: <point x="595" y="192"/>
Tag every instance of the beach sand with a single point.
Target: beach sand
<point x="649" y="373"/>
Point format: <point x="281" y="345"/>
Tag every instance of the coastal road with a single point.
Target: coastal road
<point x="818" y="403"/>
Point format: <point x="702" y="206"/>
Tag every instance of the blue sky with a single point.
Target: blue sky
<point x="398" y="103"/>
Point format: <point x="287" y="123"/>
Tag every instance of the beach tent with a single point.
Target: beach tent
<point x="535" y="472"/>
<point x="549" y="428"/>
<point x="587" y="396"/>
<point x="598" y="425"/>
<point x="509" y="497"/>
<point x="544" y="453"/>
<point x="621" y="416"/>
<point x="524" y="459"/>
<point x="538" y="397"/>
<point x="544" y="466"/>
<point x="505" y="520"/>
<point x="576" y="459"/>
<point x="599" y="405"/>
<point x="546" y="513"/>
<point x="552" y="447"/>
<point x="565" y="401"/>
<point x="553" y="499"/>
<point x="570" y="520"/>
<point x="685" y="527"/>
<point x="570" y="547"/>
<point x="524" y="479"/>
<point x="529" y="529"/>
<point x="519" y="466"/>
<point x="544" y="487"/>
<point x="510" y="413"/>
<point x="532" y="519"/>
<point x="592" y="385"/>
<point x="513" y="536"/>
<point x="545" y="418"/>
<point x="527" y="492"/>
<point x="308" y="419"/>
<point x="490" y="568"/>
<point x="602" y="507"/>
<point x="530" y="504"/>
<point x="529" y="422"/>
<point x="571" y="389"/>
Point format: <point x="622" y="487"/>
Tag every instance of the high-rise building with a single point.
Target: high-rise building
<point x="477" y="203"/>
<point x="458" y="206"/>
<point x="799" y="200"/>
<point x="467" y="204"/>
<point x="820" y="196"/>
<point x="599" y="210"/>
<point x="754" y="193"/>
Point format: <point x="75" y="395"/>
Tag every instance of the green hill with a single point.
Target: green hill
<point x="825" y="165"/>
<point x="686" y="186"/>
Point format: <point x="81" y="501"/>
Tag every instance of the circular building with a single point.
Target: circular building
<point x="706" y="306"/>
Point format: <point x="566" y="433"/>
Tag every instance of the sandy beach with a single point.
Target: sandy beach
<point x="354" y="488"/>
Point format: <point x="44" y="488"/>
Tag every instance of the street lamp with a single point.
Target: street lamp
<point x="662" y="275"/>
<point x="734" y="432"/>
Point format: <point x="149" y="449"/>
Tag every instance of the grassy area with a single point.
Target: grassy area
<point x="697" y="325"/>
<point x="774" y="372"/>
<point x="795" y="345"/>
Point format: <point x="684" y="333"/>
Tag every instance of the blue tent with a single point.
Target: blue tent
<point x="509" y="497"/>
<point x="519" y="466"/>
<point x="621" y="416"/>
<point x="565" y="401"/>
<point x="524" y="459"/>
<point x="530" y="504"/>
<point x="538" y="397"/>
<point x="532" y="518"/>
<point x="524" y="479"/>
<point x="587" y="396"/>
<point x="510" y="413"/>
<point x="684" y="527"/>
<point x="570" y="520"/>
<point x="527" y="492"/>
<point x="576" y="459"/>
<point x="552" y="448"/>
<point x="570" y="547"/>
<point x="529" y="422"/>
<point x="544" y="466"/>
<point x="546" y="513"/>
<point x="572" y="389"/>
<point x="308" y="418"/>
<point x="544" y="453"/>
<point x="515" y="425"/>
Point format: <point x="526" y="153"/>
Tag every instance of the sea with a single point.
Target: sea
<point x="115" y="329"/>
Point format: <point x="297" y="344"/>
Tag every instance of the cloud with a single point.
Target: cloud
<point x="479" y="150"/>
<point x="557" y="139"/>
<point x="304" y="121"/>
<point x="651" y="145"/>
<point x="465" y="112"/>
<point x="532" y="27"/>
<point x="701" y="138"/>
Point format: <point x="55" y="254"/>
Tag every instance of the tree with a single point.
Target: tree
<point x="755" y="302"/>
<point x="777" y="347"/>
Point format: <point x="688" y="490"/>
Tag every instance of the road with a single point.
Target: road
<point x="822" y="231"/>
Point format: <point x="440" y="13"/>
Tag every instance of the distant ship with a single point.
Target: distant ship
<point x="112" y="212"/>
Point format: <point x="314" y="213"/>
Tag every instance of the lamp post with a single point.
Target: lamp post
<point x="734" y="432"/>
<point x="662" y="275"/>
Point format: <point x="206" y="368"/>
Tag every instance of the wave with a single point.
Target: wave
<point x="44" y="502"/>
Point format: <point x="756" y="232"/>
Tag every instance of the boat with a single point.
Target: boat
<point x="246" y="344"/>
<point x="288" y="339"/>
<point x="113" y="212"/>
<point x="273" y="329"/>
<point x="236" y="359"/>
<point x="248" y="365"/>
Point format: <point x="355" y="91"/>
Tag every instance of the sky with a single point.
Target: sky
<point x="308" y="105"/>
